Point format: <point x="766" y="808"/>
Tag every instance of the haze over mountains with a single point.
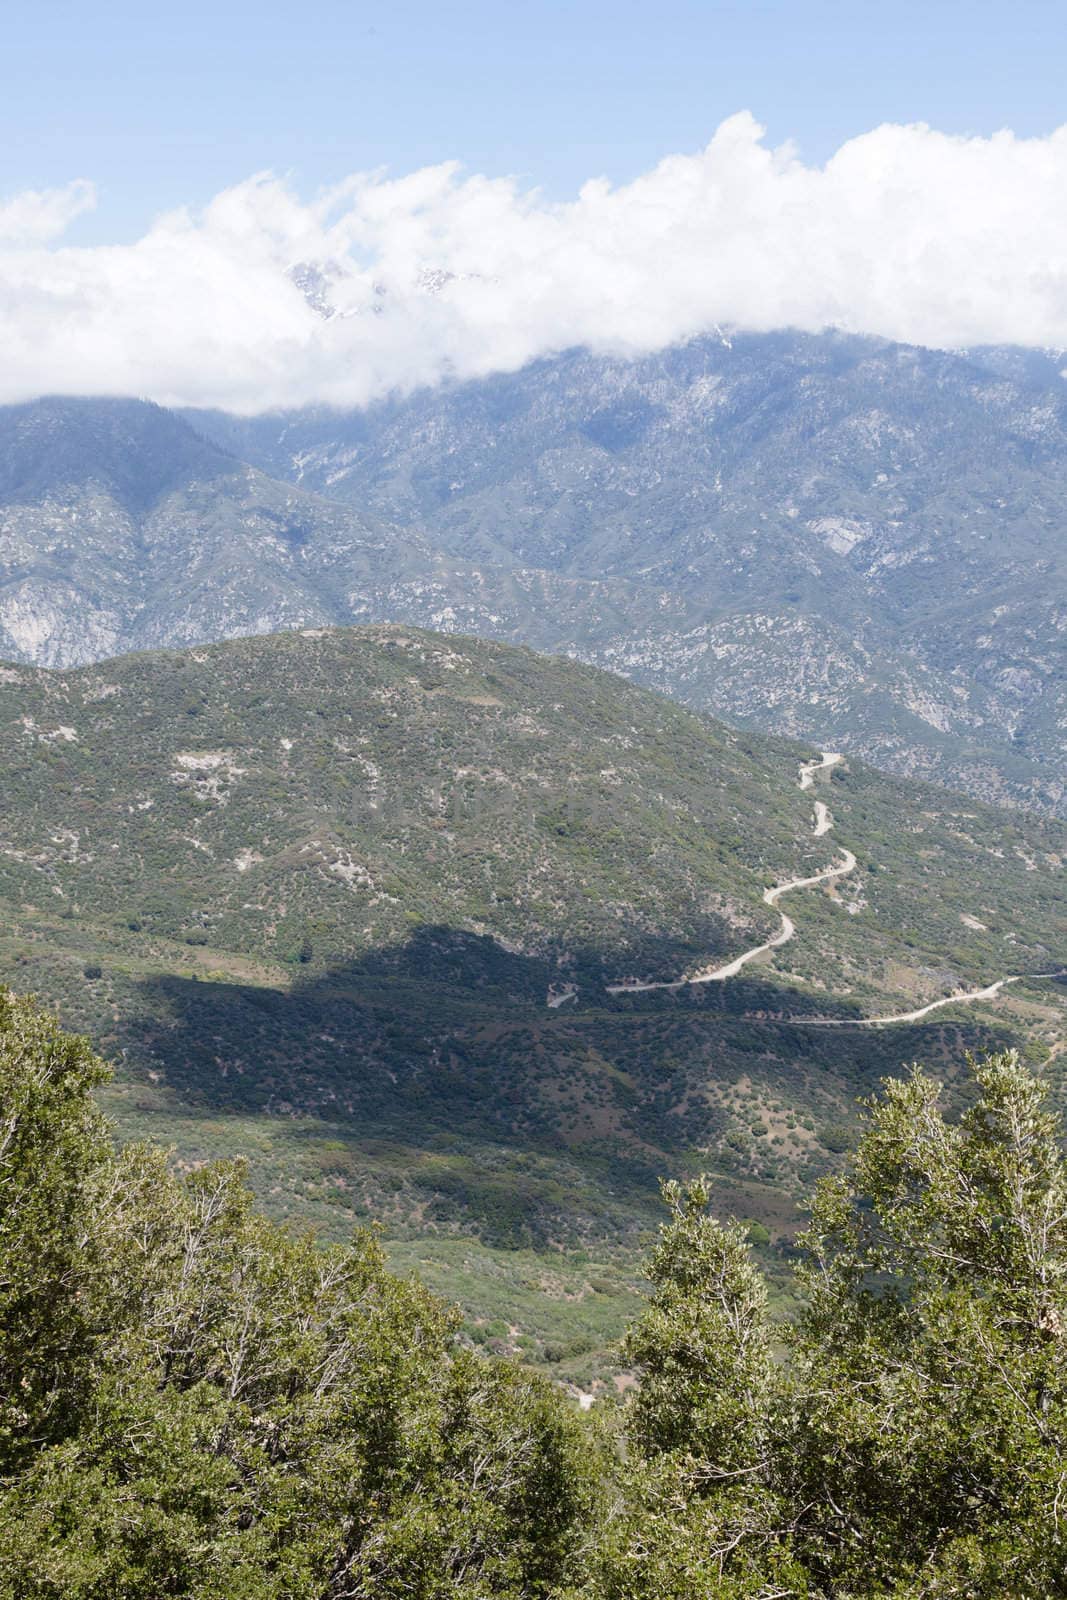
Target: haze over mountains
<point x="839" y="538"/>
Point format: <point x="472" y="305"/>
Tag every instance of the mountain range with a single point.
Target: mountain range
<point x="837" y="538"/>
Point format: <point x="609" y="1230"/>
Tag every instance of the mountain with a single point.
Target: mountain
<point x="836" y="537"/>
<point x="367" y="897"/>
<point x="122" y="528"/>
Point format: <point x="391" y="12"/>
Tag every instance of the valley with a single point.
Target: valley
<point x="533" y="803"/>
<point x="483" y="942"/>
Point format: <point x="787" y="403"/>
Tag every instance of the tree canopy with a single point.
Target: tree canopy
<point x="197" y="1402"/>
<point x="910" y="1440"/>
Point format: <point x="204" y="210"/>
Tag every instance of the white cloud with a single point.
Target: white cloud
<point x="38" y="215"/>
<point x="905" y="232"/>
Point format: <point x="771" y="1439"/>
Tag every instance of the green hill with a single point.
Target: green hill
<point x="315" y="891"/>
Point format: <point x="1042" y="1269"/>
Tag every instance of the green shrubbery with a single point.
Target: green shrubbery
<point x="195" y="1402"/>
<point x="912" y="1441"/>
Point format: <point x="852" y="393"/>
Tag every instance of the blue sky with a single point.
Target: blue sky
<point x="165" y="172"/>
<point x="165" y="105"/>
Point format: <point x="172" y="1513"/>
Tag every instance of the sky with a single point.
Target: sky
<point x="617" y="174"/>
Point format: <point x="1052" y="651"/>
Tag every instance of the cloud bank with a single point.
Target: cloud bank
<point x="381" y="285"/>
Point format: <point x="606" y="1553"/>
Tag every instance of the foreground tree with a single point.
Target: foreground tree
<point x="199" y="1403"/>
<point x="932" y="1361"/>
<point x="698" y="1511"/>
<point x="912" y="1442"/>
<point x="53" y="1149"/>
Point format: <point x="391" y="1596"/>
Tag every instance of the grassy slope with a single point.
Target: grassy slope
<point x="311" y="890"/>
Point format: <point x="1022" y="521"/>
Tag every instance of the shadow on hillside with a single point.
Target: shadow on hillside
<point x="446" y="1089"/>
<point x="450" y="1034"/>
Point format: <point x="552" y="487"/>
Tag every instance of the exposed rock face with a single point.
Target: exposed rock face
<point x="840" y="537"/>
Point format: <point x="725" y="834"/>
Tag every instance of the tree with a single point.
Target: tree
<point x="697" y="1509"/>
<point x="702" y="1346"/>
<point x="198" y="1402"/>
<point x="52" y="1146"/>
<point x="912" y="1440"/>
<point x="932" y="1438"/>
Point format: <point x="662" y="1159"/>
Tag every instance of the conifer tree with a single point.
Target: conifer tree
<point x="697" y="1510"/>
<point x="52" y="1148"/>
<point x="196" y="1402"/>
<point x="933" y="1356"/>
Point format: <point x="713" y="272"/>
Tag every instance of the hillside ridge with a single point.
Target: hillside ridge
<point x="327" y="880"/>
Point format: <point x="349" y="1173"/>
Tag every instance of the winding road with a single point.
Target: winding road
<point x="987" y="993"/>
<point x="823" y="822"/>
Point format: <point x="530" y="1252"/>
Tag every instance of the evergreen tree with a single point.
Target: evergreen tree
<point x="52" y="1147"/>
<point x="197" y="1402"/>
<point x="932" y="1360"/>
<point x="912" y="1442"/>
<point x="698" y="1512"/>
